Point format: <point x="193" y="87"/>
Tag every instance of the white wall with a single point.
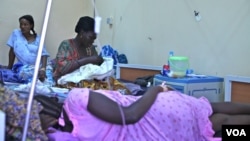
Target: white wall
<point x="146" y="30"/>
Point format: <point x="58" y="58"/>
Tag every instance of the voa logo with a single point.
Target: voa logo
<point x="236" y="132"/>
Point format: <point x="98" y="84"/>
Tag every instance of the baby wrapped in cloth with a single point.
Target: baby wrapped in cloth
<point x="94" y="77"/>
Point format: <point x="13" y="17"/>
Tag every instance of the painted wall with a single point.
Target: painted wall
<point x="64" y="15"/>
<point x="146" y="30"/>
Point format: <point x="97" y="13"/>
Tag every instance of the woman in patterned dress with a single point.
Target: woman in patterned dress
<point x="79" y="51"/>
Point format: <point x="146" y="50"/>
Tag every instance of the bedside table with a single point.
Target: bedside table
<point x="210" y="87"/>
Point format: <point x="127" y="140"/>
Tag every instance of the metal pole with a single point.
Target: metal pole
<point x="94" y="8"/>
<point x="96" y="16"/>
<point x="37" y="64"/>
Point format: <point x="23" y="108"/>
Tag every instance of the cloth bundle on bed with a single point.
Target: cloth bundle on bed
<point x="89" y="72"/>
<point x="94" y="77"/>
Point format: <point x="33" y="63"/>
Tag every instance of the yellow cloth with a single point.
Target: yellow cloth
<point x="109" y="83"/>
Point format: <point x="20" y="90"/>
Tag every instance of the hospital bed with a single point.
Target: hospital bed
<point x="126" y="72"/>
<point x="236" y="87"/>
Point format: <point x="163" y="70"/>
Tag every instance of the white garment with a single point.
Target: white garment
<point x="89" y="72"/>
<point x="25" y="52"/>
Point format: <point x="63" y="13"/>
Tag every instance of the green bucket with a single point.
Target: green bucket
<point x="178" y="65"/>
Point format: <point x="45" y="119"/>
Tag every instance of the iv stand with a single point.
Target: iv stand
<point x="37" y="64"/>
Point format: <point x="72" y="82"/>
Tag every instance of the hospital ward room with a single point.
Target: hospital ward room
<point x="131" y="70"/>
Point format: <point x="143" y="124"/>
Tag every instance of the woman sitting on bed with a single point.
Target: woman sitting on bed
<point x="79" y="51"/>
<point x="24" y="44"/>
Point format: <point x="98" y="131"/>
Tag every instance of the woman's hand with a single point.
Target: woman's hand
<point x="42" y="75"/>
<point x="97" y="60"/>
<point x="164" y="86"/>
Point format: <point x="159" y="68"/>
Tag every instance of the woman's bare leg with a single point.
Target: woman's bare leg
<point x="231" y="108"/>
<point x="219" y="119"/>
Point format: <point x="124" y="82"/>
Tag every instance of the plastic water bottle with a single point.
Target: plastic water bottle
<point x="166" y="67"/>
<point x="171" y="53"/>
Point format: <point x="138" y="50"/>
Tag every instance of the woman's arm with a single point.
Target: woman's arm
<point x="10" y="43"/>
<point x="42" y="72"/>
<point x="97" y="60"/>
<point x="65" y="63"/>
<point x="44" y="61"/>
<point x="108" y="110"/>
<point x="12" y="57"/>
